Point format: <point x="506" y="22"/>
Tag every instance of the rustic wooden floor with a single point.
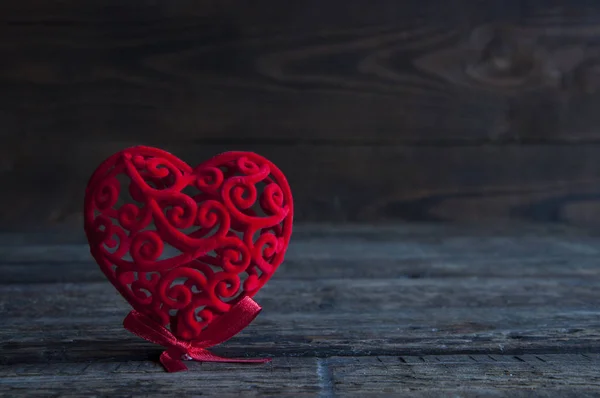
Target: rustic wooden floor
<point x="416" y="310"/>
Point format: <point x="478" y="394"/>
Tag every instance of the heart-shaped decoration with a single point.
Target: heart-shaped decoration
<point x="184" y="244"/>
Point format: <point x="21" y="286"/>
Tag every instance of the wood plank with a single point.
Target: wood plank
<point x="82" y="322"/>
<point x="470" y="376"/>
<point x="283" y="377"/>
<point x="582" y="240"/>
<point x="417" y="71"/>
<point x="336" y="295"/>
<point x="407" y="332"/>
<point x="412" y="268"/>
<point x="465" y="376"/>
<point x="313" y="268"/>
<point x="503" y="311"/>
<point x="415" y="251"/>
<point x="344" y="184"/>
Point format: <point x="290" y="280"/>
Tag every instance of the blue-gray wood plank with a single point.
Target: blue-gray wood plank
<point x="419" y="310"/>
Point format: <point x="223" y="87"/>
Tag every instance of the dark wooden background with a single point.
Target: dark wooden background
<point x="378" y="111"/>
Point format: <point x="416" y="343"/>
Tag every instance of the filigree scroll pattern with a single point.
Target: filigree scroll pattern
<point x="226" y="238"/>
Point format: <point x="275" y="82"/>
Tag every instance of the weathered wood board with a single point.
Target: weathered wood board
<point x="467" y="376"/>
<point x="424" y="376"/>
<point x="342" y="184"/>
<point x="422" y="71"/>
<point x="413" y="310"/>
<point x="420" y="110"/>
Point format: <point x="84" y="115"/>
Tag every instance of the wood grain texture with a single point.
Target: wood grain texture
<point x="284" y="377"/>
<point x="336" y="252"/>
<point x="427" y="289"/>
<point x="547" y="375"/>
<point x="336" y="317"/>
<point x="424" y="110"/>
<point x="420" y="71"/>
<point x="410" y="310"/>
<point x="467" y="376"/>
<point x="343" y="184"/>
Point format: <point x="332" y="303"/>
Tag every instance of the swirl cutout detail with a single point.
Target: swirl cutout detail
<point x="184" y="244"/>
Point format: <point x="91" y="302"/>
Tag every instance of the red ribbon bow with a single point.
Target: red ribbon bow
<point x="219" y="331"/>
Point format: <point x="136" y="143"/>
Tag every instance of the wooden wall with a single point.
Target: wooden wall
<point x="379" y="110"/>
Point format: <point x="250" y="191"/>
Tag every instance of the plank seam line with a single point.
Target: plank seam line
<point x="325" y="378"/>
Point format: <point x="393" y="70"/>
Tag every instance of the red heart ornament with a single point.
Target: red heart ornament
<point x="184" y="245"/>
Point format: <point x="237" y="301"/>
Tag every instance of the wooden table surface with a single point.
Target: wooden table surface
<point x="413" y="310"/>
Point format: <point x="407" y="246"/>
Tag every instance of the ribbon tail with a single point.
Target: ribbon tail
<point x="203" y="355"/>
<point x="171" y="363"/>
